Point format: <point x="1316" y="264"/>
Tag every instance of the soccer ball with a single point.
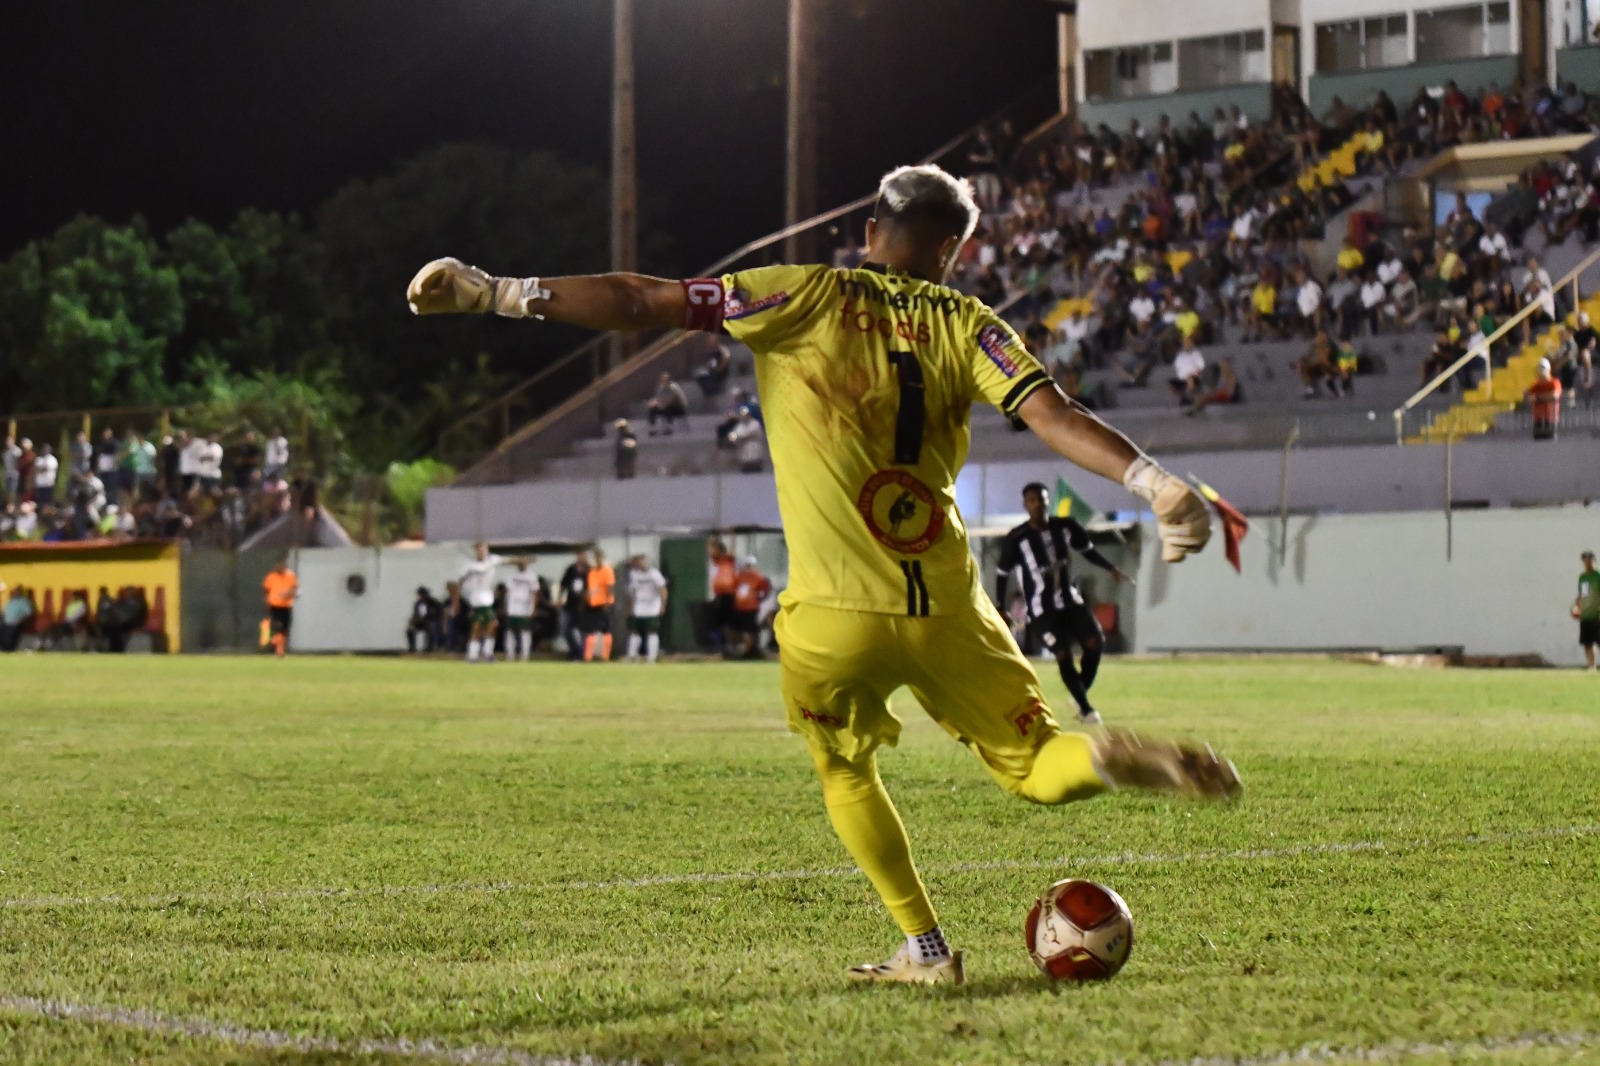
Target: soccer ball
<point x="1079" y="931"/>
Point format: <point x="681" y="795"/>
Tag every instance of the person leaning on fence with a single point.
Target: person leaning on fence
<point x="45" y="469"/>
<point x="627" y="450"/>
<point x="751" y="441"/>
<point x="11" y="453"/>
<point x="1544" y="397"/>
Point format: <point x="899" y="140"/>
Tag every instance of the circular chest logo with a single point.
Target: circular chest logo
<point x="901" y="511"/>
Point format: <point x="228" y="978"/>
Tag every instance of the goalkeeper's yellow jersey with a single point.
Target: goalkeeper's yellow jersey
<point x="867" y="378"/>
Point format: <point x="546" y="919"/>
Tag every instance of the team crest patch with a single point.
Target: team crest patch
<point x="993" y="340"/>
<point x="902" y="513"/>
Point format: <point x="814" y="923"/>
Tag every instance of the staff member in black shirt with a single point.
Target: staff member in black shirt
<point x="574" y="598"/>
<point x="1038" y="554"/>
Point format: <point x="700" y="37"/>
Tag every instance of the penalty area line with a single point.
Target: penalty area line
<point x="426" y="1049"/>
<point x="1287" y="851"/>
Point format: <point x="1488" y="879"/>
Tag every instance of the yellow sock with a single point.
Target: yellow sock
<point x="865" y="820"/>
<point x="1063" y="771"/>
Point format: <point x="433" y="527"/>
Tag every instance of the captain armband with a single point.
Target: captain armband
<point x="703" y="304"/>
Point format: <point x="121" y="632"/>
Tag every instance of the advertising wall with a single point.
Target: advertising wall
<point x="1382" y="581"/>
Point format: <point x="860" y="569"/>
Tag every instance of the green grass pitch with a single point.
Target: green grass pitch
<point x="633" y="863"/>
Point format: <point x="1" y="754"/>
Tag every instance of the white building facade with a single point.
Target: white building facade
<point x="1196" y="55"/>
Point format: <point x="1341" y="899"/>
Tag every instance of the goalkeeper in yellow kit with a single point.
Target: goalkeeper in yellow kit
<point x="866" y="379"/>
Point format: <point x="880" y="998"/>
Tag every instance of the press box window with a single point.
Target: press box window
<point x="1229" y="59"/>
<point x="1361" y="44"/>
<point x="1121" y="73"/>
<point x="1463" y="32"/>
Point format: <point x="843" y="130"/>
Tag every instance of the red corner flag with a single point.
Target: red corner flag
<point x="1234" y="524"/>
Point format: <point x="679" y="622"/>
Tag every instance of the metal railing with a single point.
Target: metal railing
<point x="1482" y="349"/>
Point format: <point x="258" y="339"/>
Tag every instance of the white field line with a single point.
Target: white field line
<point x="429" y="1049"/>
<point x="1289" y="851"/>
<point x="426" y="1049"/>
<point x="1451" y="1049"/>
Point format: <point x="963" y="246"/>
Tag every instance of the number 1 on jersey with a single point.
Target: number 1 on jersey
<point x="913" y="411"/>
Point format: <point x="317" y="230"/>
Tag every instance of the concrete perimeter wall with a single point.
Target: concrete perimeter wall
<point x="1378" y="581"/>
<point x="1369" y="581"/>
<point x="1500" y="471"/>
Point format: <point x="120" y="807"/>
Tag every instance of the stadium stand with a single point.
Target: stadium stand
<point x="1180" y="225"/>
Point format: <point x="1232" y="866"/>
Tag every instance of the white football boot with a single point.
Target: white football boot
<point x="903" y="969"/>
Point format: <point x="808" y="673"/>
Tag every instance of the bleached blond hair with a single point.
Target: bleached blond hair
<point x="928" y="194"/>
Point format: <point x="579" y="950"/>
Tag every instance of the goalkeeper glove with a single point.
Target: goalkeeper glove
<point x="450" y="287"/>
<point x="1183" y="521"/>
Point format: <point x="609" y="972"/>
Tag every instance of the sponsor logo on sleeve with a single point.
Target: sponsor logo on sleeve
<point x="739" y="304"/>
<point x="992" y="339"/>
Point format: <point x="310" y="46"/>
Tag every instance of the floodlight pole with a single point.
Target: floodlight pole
<point x="800" y="175"/>
<point x="624" y="177"/>
<point x="1066" y="60"/>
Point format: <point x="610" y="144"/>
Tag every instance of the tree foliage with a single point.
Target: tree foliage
<point x="408" y="485"/>
<point x="271" y="321"/>
<point x="89" y="314"/>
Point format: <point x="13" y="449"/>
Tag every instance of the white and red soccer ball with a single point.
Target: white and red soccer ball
<point x="1079" y="931"/>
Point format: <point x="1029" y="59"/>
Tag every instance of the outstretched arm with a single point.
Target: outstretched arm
<point x="1093" y="555"/>
<point x="595" y="301"/>
<point x="1072" y="432"/>
<point x="1008" y="563"/>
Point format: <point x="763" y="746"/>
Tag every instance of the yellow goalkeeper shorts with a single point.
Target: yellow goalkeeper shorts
<point x="839" y="668"/>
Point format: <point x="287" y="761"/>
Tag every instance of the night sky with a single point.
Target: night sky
<point x="177" y="108"/>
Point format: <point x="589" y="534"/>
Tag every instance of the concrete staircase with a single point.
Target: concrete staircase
<point x="1503" y="391"/>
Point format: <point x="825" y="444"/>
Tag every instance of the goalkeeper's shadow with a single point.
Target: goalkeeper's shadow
<point x="995" y="987"/>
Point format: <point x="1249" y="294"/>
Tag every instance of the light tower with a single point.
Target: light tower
<point x="800" y="175"/>
<point x="624" y="176"/>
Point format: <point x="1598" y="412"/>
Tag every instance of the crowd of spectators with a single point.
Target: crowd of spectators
<point x="1183" y="236"/>
<point x="1205" y="245"/>
<point x="104" y="626"/>
<point x="187" y="485"/>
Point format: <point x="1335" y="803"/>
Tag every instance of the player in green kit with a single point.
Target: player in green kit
<point x="1586" y="609"/>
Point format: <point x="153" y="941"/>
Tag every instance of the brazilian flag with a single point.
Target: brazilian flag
<point x="1070" y="505"/>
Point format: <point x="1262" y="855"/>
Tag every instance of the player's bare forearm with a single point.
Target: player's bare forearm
<point x="1076" y="435"/>
<point x="597" y="301"/>
<point x="625" y="302"/>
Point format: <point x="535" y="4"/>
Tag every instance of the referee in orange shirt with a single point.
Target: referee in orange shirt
<point x="281" y="587"/>
<point x="602" y="595"/>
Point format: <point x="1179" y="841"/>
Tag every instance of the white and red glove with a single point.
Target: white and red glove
<point x="1182" y="518"/>
<point x="450" y="287"/>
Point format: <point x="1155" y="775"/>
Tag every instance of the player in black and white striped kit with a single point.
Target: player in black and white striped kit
<point x="1038" y="554"/>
